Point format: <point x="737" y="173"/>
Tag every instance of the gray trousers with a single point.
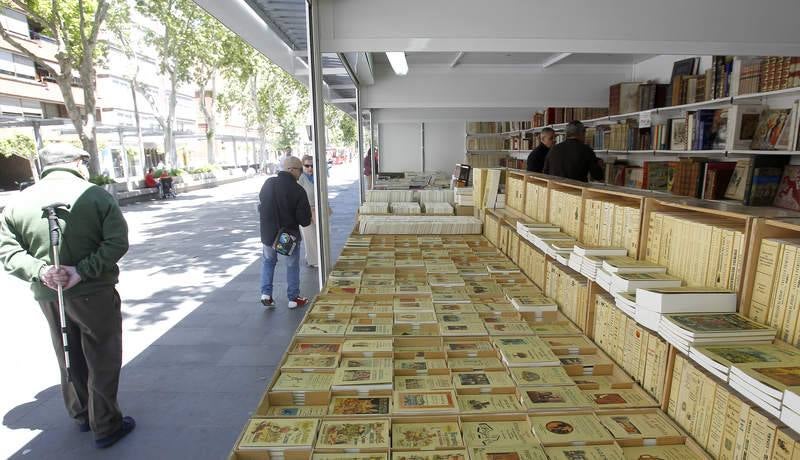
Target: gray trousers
<point x="94" y="335"/>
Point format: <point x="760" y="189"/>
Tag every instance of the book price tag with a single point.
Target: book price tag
<point x="644" y="119"/>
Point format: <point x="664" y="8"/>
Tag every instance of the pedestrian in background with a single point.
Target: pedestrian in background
<point x="572" y="158"/>
<point x="94" y="238"/>
<point x="283" y="205"/>
<point x="310" y="232"/>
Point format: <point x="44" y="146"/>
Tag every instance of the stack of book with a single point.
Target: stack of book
<point x="766" y="383"/>
<point x="405" y="208"/>
<point x="534" y="303"/>
<point x="374" y="207"/>
<point x="684" y="330"/>
<point x="652" y="303"/>
<point x="718" y="359"/>
<point x="630" y="282"/>
<point x="419" y="225"/>
<point x="437" y="208"/>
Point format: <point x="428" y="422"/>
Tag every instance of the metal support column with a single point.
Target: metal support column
<point x="318" y="138"/>
<point x="374" y="146"/>
<point x="360" y="122"/>
<point x="422" y="144"/>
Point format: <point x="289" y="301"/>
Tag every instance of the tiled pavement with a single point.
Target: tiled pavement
<point x="199" y="349"/>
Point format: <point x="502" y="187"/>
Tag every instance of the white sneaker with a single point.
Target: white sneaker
<point x="297" y="302"/>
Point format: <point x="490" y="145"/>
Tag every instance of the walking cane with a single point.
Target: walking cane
<point x="55" y="241"/>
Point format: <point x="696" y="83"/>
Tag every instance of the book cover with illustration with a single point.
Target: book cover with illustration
<point x="353" y="434"/>
<point x="303" y="381"/>
<point x="310" y="348"/>
<point x="297" y="411"/>
<point x="431" y="455"/>
<point x="527" y="452"/>
<point x="357" y="405"/>
<point x="654" y="424"/>
<point x="278" y="434"/>
<point x="696" y="325"/>
<point x="603" y="452"/>
<point x="426" y="436"/>
<point x="557" y="397"/>
<point x="569" y="428"/>
<point x="310" y="362"/>
<point x="425" y="401"/>
<point x="620" y="398"/>
<point x="487" y="404"/>
<point x="422" y="382"/>
<point x="674" y="452"/>
<point x="497" y="433"/>
<point x="540" y="376"/>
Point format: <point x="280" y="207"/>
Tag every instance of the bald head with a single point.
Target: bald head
<point x="293" y="165"/>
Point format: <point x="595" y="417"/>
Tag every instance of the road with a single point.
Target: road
<point x="195" y="336"/>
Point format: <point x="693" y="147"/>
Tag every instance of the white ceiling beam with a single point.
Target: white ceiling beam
<point x="554" y="59"/>
<point x="347" y="86"/>
<point x="504" y="26"/>
<point x="458" y="57"/>
<point x="343" y="100"/>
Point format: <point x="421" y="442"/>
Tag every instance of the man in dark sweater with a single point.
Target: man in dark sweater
<point x="572" y="158"/>
<point x="283" y="204"/>
<point x="94" y="236"/>
<point x="536" y="158"/>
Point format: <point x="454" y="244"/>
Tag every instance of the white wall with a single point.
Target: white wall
<point x="400" y="147"/>
<point x="490" y="87"/>
<point x="444" y="144"/>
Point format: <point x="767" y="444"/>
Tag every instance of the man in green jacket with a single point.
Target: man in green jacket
<point x="94" y="238"/>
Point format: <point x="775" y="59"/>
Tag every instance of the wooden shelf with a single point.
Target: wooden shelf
<point x="676" y="108"/>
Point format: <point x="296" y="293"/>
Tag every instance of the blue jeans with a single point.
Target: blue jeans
<point x="268" y="261"/>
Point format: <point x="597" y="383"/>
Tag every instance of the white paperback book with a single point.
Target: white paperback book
<point x="686" y="300"/>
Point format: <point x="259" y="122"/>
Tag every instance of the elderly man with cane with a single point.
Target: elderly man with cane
<point x="65" y="236"/>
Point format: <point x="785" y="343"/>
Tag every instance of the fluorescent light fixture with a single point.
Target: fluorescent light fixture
<point x="398" y="61"/>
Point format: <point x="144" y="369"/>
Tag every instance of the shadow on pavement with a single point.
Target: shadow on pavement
<point x="192" y="390"/>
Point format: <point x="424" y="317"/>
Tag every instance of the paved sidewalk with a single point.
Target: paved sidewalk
<point x="198" y="347"/>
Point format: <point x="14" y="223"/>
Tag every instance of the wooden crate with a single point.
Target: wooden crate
<point x="619" y="196"/>
<point x="738" y="216"/>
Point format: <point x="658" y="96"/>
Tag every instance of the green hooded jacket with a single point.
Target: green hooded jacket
<point x="95" y="234"/>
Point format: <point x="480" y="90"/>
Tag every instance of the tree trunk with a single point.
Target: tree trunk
<point x="169" y="132"/>
<point x="209" y="113"/>
<point x="140" y="141"/>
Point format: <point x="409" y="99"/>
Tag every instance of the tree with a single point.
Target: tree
<point x="341" y="127"/>
<point x="75" y="26"/>
<point x="22" y="146"/>
<point x="215" y="49"/>
<point x="268" y="97"/>
<point x="179" y="20"/>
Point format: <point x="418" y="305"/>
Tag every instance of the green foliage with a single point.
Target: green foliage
<point x="174" y="172"/>
<point x="18" y="144"/>
<point x="101" y="180"/>
<point x="204" y="169"/>
<point x="174" y="44"/>
<point x="341" y="127"/>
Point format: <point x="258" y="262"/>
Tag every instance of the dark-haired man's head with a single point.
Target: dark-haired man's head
<point x="576" y="130"/>
<point x="548" y="137"/>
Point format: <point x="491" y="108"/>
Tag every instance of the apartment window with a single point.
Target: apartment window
<point x="16" y="65"/>
<point x="14" y="22"/>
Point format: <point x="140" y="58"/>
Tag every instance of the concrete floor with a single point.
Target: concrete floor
<point x="198" y="347"/>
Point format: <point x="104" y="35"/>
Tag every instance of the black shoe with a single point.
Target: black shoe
<point x="84" y="427"/>
<point x="128" y="424"/>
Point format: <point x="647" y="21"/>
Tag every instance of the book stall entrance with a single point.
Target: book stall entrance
<point x="481" y="311"/>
